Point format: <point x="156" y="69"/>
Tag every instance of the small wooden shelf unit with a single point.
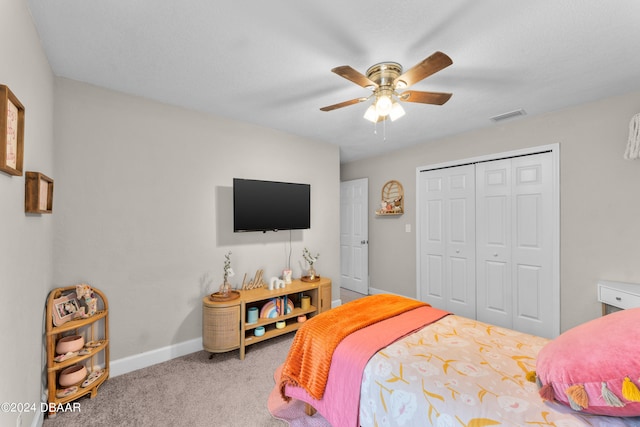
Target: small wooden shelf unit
<point x="225" y="327"/>
<point x="86" y="327"/>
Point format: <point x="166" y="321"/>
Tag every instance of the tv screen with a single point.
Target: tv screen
<point x="269" y="205"/>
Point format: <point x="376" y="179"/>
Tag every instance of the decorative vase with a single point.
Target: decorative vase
<point x="225" y="289"/>
<point x="312" y="273"/>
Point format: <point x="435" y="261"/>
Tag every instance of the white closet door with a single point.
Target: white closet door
<point x="447" y="239"/>
<point x="533" y="248"/>
<point x="515" y="243"/>
<point x="493" y="221"/>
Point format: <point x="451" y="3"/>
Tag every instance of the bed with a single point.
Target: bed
<point x="421" y="366"/>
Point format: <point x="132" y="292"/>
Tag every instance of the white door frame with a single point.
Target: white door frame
<point x="554" y="149"/>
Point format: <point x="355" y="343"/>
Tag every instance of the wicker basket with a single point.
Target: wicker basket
<point x="220" y="328"/>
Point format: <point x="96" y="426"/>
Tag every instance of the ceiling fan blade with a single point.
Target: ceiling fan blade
<point x="355" y="76"/>
<point x="343" y="104"/>
<point x="427" y="67"/>
<point x="436" y="98"/>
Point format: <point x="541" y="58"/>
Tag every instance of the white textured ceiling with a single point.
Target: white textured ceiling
<point x="269" y="62"/>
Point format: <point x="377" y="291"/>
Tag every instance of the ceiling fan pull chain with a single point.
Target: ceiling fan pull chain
<point x="384" y="131"/>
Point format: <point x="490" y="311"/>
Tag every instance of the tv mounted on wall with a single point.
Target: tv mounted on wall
<point x="270" y="205"/>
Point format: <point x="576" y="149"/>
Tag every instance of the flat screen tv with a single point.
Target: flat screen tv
<point x="270" y="205"/>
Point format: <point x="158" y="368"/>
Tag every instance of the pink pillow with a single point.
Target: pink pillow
<point x="595" y="367"/>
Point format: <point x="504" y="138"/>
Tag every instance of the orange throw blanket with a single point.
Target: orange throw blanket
<point x="309" y="358"/>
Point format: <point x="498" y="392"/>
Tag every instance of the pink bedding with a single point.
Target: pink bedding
<point x="342" y="394"/>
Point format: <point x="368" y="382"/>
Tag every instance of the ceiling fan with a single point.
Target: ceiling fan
<point x="386" y="79"/>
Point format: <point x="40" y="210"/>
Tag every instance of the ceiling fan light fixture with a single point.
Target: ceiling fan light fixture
<point x="396" y="111"/>
<point x="383" y="105"/>
<point x="387" y="81"/>
<point x="371" y="114"/>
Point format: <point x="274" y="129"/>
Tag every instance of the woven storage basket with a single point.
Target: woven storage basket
<point x="221" y="327"/>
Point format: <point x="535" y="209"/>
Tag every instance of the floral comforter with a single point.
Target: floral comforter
<point x="462" y="372"/>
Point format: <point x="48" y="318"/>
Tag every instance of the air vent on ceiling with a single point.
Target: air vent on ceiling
<point x="509" y="115"/>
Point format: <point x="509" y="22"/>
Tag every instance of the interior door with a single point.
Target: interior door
<point x="354" y="235"/>
<point x="447" y="239"/>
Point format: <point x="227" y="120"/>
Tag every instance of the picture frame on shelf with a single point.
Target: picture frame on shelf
<point x="66" y="308"/>
<point x="11" y="132"/>
<point x="38" y="193"/>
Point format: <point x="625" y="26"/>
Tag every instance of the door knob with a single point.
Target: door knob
<point x="363" y="242"/>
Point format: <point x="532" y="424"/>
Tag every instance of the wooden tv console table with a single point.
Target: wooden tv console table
<point x="225" y="327"/>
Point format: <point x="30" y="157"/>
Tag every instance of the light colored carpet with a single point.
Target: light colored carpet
<point x="192" y="390"/>
<point x="293" y="411"/>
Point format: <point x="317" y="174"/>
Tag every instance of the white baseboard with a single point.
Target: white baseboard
<point x="374" y="291"/>
<point x="149" y="358"/>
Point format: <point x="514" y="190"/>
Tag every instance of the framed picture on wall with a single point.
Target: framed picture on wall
<point x="38" y="196"/>
<point x="11" y="132"/>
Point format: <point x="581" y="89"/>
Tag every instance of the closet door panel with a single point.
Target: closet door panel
<point x="456" y="255"/>
<point x="533" y="244"/>
<point x="447" y="239"/>
<point x="434" y="221"/>
<point x="497" y="291"/>
<point x="528" y="214"/>
<point x="461" y="240"/>
<point x="495" y="221"/>
<point x="458" y="281"/>
<point x="493" y="228"/>
<point x="435" y="279"/>
<point x="529" y="289"/>
<point x="432" y="244"/>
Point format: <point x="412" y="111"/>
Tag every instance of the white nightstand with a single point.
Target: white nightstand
<point x="618" y="294"/>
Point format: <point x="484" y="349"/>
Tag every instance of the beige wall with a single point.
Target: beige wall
<point x="144" y="208"/>
<point x="600" y="230"/>
<point x="25" y="240"/>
